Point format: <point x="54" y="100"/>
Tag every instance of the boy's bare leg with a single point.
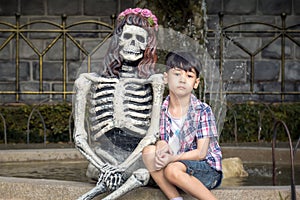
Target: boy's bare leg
<point x="176" y="174"/>
<point x="168" y="189"/>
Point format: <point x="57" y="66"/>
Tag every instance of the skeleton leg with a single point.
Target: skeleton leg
<point x="138" y="178"/>
<point x="98" y="189"/>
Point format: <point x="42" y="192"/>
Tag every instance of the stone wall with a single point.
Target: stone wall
<point x="272" y="73"/>
<point x="267" y="75"/>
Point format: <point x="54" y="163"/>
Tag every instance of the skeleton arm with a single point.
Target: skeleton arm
<point x="82" y="87"/>
<point x="153" y="131"/>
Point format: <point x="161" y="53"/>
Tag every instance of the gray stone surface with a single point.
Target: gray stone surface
<point x="28" y="189"/>
<point x="42" y="189"/>
<point x="247" y="154"/>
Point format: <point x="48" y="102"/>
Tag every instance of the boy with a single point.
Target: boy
<point x="188" y="155"/>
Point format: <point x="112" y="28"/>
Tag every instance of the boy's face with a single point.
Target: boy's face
<point x="181" y="82"/>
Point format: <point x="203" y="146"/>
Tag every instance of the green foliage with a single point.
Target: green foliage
<point x="185" y="16"/>
<point x="254" y="122"/>
<point x="51" y="120"/>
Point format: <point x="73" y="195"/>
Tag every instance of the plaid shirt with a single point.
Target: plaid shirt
<point x="199" y="123"/>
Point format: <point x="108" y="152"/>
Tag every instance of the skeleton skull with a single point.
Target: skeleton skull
<point x="133" y="42"/>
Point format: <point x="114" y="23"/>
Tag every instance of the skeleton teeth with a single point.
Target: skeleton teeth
<point x="131" y="52"/>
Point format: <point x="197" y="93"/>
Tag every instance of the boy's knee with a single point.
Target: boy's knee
<point x="161" y="142"/>
<point x="149" y="149"/>
<point x="171" y="171"/>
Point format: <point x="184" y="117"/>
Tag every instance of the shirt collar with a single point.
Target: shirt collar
<point x="195" y="103"/>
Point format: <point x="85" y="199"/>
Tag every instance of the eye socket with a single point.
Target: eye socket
<point x="127" y="36"/>
<point x="140" y="38"/>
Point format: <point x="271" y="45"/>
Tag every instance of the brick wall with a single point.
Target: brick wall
<point x="267" y="63"/>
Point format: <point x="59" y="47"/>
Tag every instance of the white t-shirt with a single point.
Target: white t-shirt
<point x="174" y="139"/>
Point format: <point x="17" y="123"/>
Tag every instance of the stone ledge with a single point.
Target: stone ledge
<point x="247" y="154"/>
<point x="42" y="189"/>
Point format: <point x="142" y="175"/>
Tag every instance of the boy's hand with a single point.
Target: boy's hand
<point x="163" y="160"/>
<point x="164" y="156"/>
<point x="163" y="148"/>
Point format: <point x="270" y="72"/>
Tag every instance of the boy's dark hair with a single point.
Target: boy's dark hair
<point x="183" y="60"/>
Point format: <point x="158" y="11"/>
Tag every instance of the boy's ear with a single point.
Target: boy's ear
<point x="165" y="77"/>
<point x="196" y="83"/>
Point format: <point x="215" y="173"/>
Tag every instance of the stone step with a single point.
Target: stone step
<point x="42" y="189"/>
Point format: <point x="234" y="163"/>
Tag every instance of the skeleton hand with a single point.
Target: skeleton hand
<point x="111" y="176"/>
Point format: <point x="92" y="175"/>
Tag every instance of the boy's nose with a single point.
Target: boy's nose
<point x="183" y="77"/>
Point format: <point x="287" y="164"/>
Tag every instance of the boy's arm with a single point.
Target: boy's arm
<point x="196" y="154"/>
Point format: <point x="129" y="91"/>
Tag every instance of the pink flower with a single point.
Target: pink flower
<point x="154" y="19"/>
<point x="122" y="14"/>
<point x="136" y="10"/>
<point x="146" y="13"/>
<point x="127" y="11"/>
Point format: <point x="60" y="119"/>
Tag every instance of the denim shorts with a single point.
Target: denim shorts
<point x="201" y="170"/>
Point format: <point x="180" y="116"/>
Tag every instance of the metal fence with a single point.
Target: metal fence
<point x="235" y="34"/>
<point x="26" y="34"/>
<point x="32" y="34"/>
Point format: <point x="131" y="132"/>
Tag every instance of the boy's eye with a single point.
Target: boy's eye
<point x="190" y="75"/>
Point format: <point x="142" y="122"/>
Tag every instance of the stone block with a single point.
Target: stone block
<point x="27" y="52"/>
<point x="33" y="7"/>
<point x="296" y="7"/>
<point x="59" y="7"/>
<point x="270" y="87"/>
<point x="34" y="88"/>
<point x="5" y="52"/>
<point x="292" y="71"/>
<point x="8" y="7"/>
<point x="126" y="4"/>
<point x="246" y="44"/>
<point x="92" y="45"/>
<point x="74" y="69"/>
<point x="274" y="7"/>
<point x="212" y="24"/>
<point x="8" y="71"/>
<point x="52" y="71"/>
<point x="292" y="20"/>
<point x="75" y="27"/>
<point x="273" y="50"/>
<point x="55" y="53"/>
<point x="242" y="97"/>
<point x="258" y="29"/>
<point x="244" y="7"/>
<point x="297" y="52"/>
<point x="214" y="6"/>
<point x="100" y="7"/>
<point x="235" y="71"/>
<point x="9" y="21"/>
<point x="9" y="87"/>
<point x="59" y="88"/>
<point x="41" y="26"/>
<point x="267" y="70"/>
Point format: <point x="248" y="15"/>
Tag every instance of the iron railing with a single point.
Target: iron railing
<point x="56" y="32"/>
<point x="232" y="32"/>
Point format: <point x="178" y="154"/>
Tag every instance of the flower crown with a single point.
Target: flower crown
<point x="151" y="18"/>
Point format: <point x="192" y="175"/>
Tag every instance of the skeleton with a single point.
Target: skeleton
<point x="119" y="108"/>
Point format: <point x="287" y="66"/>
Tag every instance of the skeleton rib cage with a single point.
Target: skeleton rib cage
<point x="130" y="110"/>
